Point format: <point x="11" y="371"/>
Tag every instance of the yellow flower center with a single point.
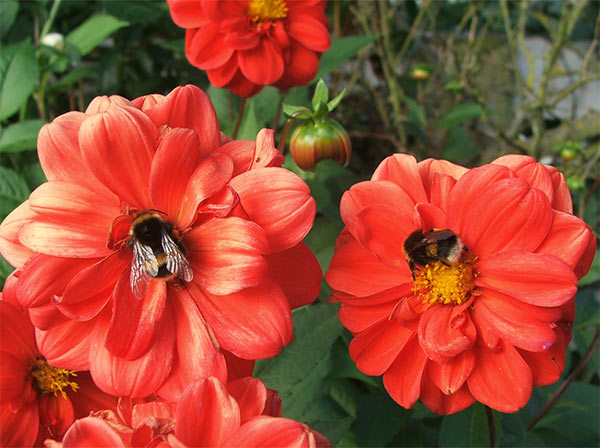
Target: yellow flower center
<point x="52" y="379"/>
<point x="439" y="283"/>
<point x="261" y="11"/>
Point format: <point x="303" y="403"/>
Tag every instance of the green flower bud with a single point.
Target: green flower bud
<point x="575" y="183"/>
<point x="324" y="139"/>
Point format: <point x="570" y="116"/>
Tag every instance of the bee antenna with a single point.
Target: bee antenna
<point x="157" y="211"/>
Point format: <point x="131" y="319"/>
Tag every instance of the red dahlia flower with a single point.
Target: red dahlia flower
<point x="243" y="413"/>
<point x="133" y="196"/>
<point x="486" y="312"/>
<point x="37" y="399"/>
<point x="245" y="45"/>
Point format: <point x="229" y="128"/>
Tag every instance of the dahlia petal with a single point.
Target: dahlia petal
<point x="206" y="414"/>
<point x="176" y="152"/>
<point x="402" y="170"/>
<point x="571" y="240"/>
<point x="393" y="294"/>
<point x="46" y="316"/>
<point x="370" y="193"/>
<point x="273" y="431"/>
<point x="525" y="167"/>
<point x="237" y="367"/>
<point x="207" y="179"/>
<point x="547" y="366"/>
<point x="266" y="154"/>
<point x="187" y="14"/>
<point x="251" y="396"/>
<point x="117" y="146"/>
<point x="241" y="86"/>
<point x="248" y="154"/>
<point x="146" y="102"/>
<point x="278" y="201"/>
<point x="10" y="247"/>
<point x="45" y="276"/>
<point x="310" y="32"/>
<point x="429" y="168"/>
<point x="375" y="349"/>
<point x="134" y="322"/>
<point x="507" y="215"/>
<point x="445" y="332"/>
<point x="15" y="375"/>
<point x="220" y="11"/>
<point x="59" y="153"/>
<point x="520" y="324"/>
<point x="382" y="230"/>
<point x="241" y="152"/>
<point x="355" y="270"/>
<point x="198" y="354"/>
<point x="224" y="74"/>
<point x="359" y="318"/>
<point x="450" y="377"/>
<point x="19" y="428"/>
<point x="227" y="254"/>
<point x="92" y="431"/>
<point x="56" y="413"/>
<point x="403" y="379"/>
<point x="431" y="216"/>
<point x="487" y="336"/>
<point x="89" y="291"/>
<point x="254" y="323"/>
<point x="138" y="378"/>
<point x="89" y="398"/>
<point x="466" y="190"/>
<point x="262" y="64"/>
<point x="443" y="404"/>
<point x="16" y="332"/>
<point x="501" y="378"/>
<point x="242" y="40"/>
<point x="73" y="205"/>
<point x="67" y="345"/>
<point x="298" y="273"/>
<point x="562" y="196"/>
<point x="441" y="187"/>
<point x="205" y="48"/>
<point x="142" y="412"/>
<point x="189" y="107"/>
<point x="301" y="65"/>
<point x="537" y="279"/>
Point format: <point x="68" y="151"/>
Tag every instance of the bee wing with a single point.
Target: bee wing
<point x="176" y="262"/>
<point x="143" y="266"/>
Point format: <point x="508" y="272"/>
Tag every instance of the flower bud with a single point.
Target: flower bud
<point x="55" y="40"/>
<point x="324" y="139"/>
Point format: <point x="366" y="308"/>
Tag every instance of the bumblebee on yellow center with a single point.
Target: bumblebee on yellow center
<point x="157" y="252"/>
<point x="441" y="267"/>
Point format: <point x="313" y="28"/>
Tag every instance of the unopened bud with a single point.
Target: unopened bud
<point x="312" y="142"/>
<point x="54" y="40"/>
<point x="420" y="72"/>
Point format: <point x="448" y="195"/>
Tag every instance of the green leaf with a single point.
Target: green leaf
<point x="34" y="175"/>
<point x="379" y="419"/>
<point x="220" y="100"/>
<point x="321" y="239"/>
<point x="13" y="191"/>
<point x="345" y="394"/>
<point x="72" y="77"/>
<point x="334" y="102"/>
<point x="466" y="428"/>
<point x="301" y="367"/>
<point x="250" y="123"/>
<point x="340" y="51"/>
<point x="8" y="14"/>
<point x="458" y="146"/>
<point x="93" y="31"/>
<point x="321" y="95"/>
<point x="458" y="114"/>
<point x="20" y="136"/>
<point x="5" y="270"/>
<point x="296" y="112"/>
<point x="18" y="74"/>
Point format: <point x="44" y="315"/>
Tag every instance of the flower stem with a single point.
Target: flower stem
<point x="240" y="117"/>
<point x="594" y="346"/>
<point x="491" y="426"/>
<point x="51" y="18"/>
<point x="278" y="112"/>
<point x="283" y="136"/>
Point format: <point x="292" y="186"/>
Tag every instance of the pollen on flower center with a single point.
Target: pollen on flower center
<point x="261" y="11"/>
<point x="52" y="379"/>
<point x="437" y="282"/>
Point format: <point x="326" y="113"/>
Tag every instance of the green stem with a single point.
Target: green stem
<point x="240" y="117"/>
<point x="51" y="18"/>
<point x="491" y="426"/>
<point x="278" y="112"/>
<point x="283" y="136"/>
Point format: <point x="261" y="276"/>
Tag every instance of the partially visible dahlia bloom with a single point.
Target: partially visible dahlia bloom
<point x="245" y="45"/>
<point x="487" y="311"/>
<point x="217" y="261"/>
<point x="37" y="400"/>
<point x="243" y="413"/>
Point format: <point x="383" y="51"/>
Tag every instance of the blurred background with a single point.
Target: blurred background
<point x="462" y="80"/>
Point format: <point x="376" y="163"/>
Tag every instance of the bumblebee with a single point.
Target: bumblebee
<point x="157" y="252"/>
<point x="421" y="248"/>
